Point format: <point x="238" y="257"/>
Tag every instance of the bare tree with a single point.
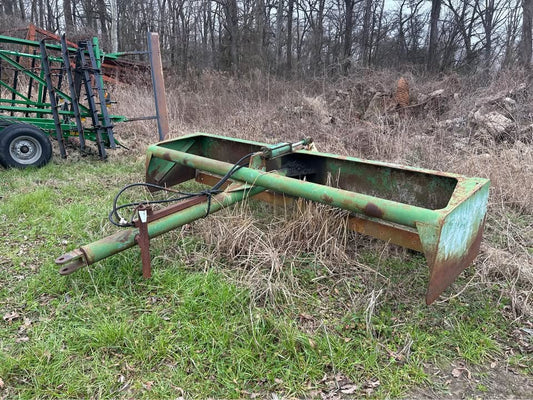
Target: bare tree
<point x="304" y="36"/>
<point x="365" y="34"/>
<point x="67" y="12"/>
<point x="512" y="29"/>
<point x="348" y="34"/>
<point x="527" y="11"/>
<point x="432" y="62"/>
<point x="290" y="11"/>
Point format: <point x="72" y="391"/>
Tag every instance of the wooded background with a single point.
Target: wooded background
<point x="298" y="37"/>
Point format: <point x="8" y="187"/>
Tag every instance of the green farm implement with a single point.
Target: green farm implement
<point x="439" y="214"/>
<point x="54" y="90"/>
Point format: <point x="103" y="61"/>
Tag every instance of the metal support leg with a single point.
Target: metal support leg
<point x="158" y="84"/>
<point x="53" y="101"/>
<point x="94" y="56"/>
<point x="143" y="239"/>
<point x="74" y="104"/>
<point x="81" y="65"/>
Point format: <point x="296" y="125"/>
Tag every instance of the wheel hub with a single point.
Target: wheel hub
<point x="25" y="150"/>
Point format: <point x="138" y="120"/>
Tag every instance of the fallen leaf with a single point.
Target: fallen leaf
<point x="312" y="343"/>
<point x="373" y="383"/>
<point x="457" y="372"/>
<point x="22" y="339"/>
<point x="306" y="317"/>
<point x="10" y="316"/>
<point x="349" y="389"/>
<point x="25" y="325"/>
<point x="148" y="385"/>
<point x="278" y="381"/>
<point x="1" y="383"/>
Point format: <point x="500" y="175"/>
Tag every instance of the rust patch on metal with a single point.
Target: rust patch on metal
<point x="327" y="199"/>
<point x="444" y="274"/>
<point x="373" y="211"/>
<point x="182" y="205"/>
<point x="143" y="240"/>
<point x="386" y="232"/>
<point x="121" y="236"/>
<point x="72" y="261"/>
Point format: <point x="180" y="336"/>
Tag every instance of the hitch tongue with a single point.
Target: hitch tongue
<point x="71" y="261"/>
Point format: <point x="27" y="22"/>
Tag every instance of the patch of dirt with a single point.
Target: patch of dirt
<point x="487" y="382"/>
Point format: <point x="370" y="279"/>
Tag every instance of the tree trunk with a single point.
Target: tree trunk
<point x="432" y="61"/>
<point x="279" y="25"/>
<point x="260" y="22"/>
<point x="527" y="10"/>
<point x="114" y="26"/>
<point x="22" y="10"/>
<point x="365" y="35"/>
<point x="289" y="36"/>
<point x="67" y="12"/>
<point x="318" y="33"/>
<point x="348" y="34"/>
<point x="232" y="23"/>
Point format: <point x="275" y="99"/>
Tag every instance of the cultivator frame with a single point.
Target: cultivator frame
<point x="439" y="214"/>
<point x="56" y="85"/>
<point x="64" y="93"/>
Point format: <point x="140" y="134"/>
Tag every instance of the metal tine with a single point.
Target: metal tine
<point x="101" y="94"/>
<point x="73" y="94"/>
<point x="86" y="80"/>
<point x="15" y="82"/>
<point x="30" y="84"/>
<point x="53" y="101"/>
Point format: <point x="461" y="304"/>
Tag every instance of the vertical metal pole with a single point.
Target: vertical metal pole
<point x="52" y="96"/>
<point x="81" y="64"/>
<point x="95" y="56"/>
<point x="42" y="89"/>
<point x="30" y="83"/>
<point x="15" y="81"/>
<point x="143" y="239"/>
<point x="158" y="84"/>
<point x="75" y="96"/>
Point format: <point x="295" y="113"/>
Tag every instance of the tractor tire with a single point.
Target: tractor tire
<point x="24" y="145"/>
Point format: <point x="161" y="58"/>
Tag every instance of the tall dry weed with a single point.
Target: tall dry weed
<point x="266" y="256"/>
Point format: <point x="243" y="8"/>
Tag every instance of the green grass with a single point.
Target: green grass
<point x="106" y="332"/>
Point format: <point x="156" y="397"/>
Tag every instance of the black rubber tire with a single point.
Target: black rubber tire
<point x="24" y="145"/>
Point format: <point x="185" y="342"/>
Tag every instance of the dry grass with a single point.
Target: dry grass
<point x="267" y="255"/>
<point x="262" y="108"/>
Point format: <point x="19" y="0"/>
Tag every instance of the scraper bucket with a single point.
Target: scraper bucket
<point x="439" y="214"/>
